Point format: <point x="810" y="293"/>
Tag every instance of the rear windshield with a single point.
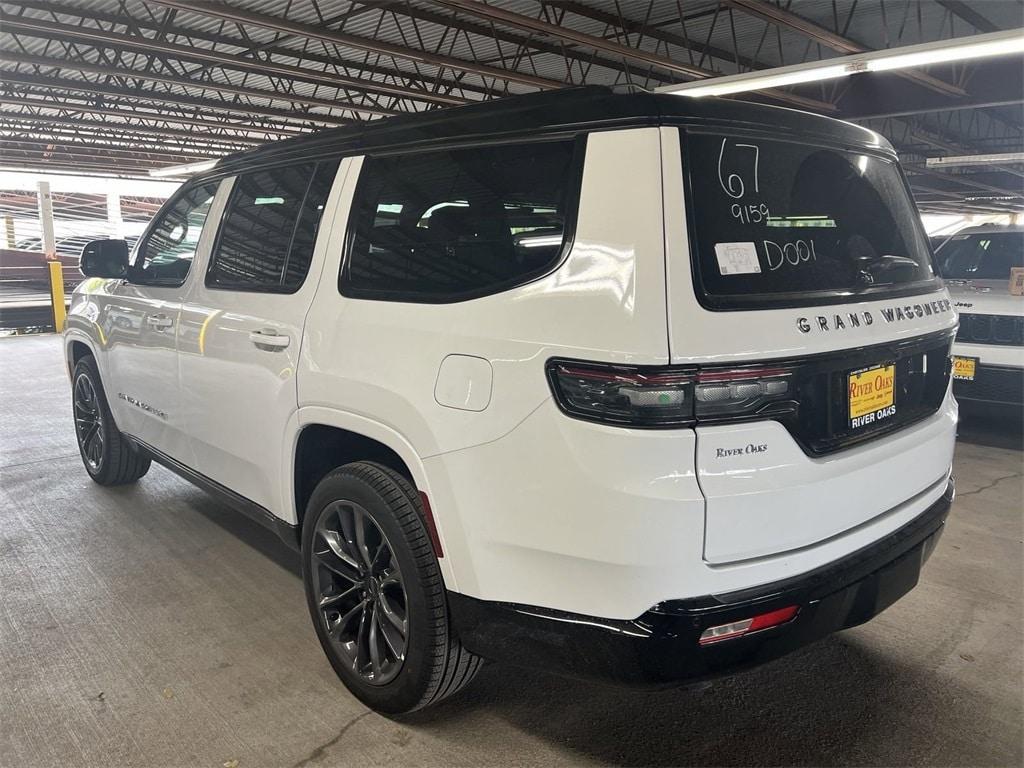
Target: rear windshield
<point x="981" y="256"/>
<point x="785" y="223"/>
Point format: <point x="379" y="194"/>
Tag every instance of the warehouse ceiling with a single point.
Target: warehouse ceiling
<point x="125" y="86"/>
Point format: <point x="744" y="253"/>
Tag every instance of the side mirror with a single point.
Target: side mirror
<point x="104" y="258"/>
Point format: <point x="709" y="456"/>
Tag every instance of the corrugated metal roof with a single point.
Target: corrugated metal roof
<point x="413" y="55"/>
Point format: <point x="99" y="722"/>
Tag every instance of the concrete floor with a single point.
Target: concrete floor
<point x="149" y="626"/>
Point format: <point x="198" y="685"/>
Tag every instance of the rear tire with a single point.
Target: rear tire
<point x="108" y="457"/>
<point x="371" y="577"/>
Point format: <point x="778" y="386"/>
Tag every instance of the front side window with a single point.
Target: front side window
<point x="987" y="256"/>
<point x="266" y="238"/>
<point x="779" y="222"/>
<point x="454" y="224"/>
<point x="166" y="253"/>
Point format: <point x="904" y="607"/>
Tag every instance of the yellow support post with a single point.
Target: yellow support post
<point x="57" y="295"/>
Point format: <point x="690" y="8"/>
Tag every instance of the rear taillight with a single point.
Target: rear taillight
<point x="725" y="392"/>
<point x="655" y="397"/>
<point x="670" y="396"/>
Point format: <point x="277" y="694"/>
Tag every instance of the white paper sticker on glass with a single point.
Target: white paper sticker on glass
<point x="737" y="258"/>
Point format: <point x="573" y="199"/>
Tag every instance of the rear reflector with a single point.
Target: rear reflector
<point x="428" y="518"/>
<point x="743" y="627"/>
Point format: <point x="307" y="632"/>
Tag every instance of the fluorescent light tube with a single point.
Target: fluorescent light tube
<point x="1004" y="157"/>
<point x="188" y="169"/>
<point x="939" y="52"/>
<point x="772" y="78"/>
<point x="957" y="49"/>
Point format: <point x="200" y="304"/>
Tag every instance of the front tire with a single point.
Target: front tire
<point x="108" y="457"/>
<point x="375" y="593"/>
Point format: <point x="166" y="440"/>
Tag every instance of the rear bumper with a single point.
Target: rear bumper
<point x="999" y="384"/>
<point x="661" y="648"/>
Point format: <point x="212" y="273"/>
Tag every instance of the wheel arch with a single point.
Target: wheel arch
<point x="331" y="438"/>
<point x="319" y="448"/>
<point x="77" y="346"/>
<point x="325" y="438"/>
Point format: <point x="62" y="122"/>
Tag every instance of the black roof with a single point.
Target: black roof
<point x="563" y="112"/>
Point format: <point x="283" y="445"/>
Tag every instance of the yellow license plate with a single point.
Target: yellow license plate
<point x="872" y="394"/>
<point x="964" y="368"/>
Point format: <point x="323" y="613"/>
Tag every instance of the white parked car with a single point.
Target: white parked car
<point x="619" y="385"/>
<point x="988" y="363"/>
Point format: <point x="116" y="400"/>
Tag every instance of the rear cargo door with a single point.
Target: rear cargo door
<point x="809" y="259"/>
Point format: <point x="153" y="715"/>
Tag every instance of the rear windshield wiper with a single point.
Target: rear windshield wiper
<point x="874" y="267"/>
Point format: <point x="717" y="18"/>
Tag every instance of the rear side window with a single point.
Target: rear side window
<point x="455" y="224"/>
<point x="166" y="254"/>
<point x="786" y="223"/>
<point x="266" y="238"/>
<point x="988" y="256"/>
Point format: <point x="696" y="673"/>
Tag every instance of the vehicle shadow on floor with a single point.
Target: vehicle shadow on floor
<point x="251" y="533"/>
<point x="837" y="702"/>
<point x="992" y="426"/>
<point x="847" y="700"/>
<point x="840" y="701"/>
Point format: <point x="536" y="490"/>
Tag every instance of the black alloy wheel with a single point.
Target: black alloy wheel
<point x="360" y="591"/>
<point x="109" y="458"/>
<point x="89" y="423"/>
<point x="375" y="591"/>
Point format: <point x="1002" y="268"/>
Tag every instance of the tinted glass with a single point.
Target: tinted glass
<point x="982" y="256"/>
<point x="266" y="238"/>
<point x="166" y="254"/>
<point x="775" y="220"/>
<point x="439" y="226"/>
<point x="308" y="225"/>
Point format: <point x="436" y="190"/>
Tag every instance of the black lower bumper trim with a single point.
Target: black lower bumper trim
<point x="661" y="648"/>
<point x="996" y="384"/>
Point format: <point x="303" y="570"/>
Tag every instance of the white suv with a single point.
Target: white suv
<point x="621" y="385"/>
<point x="988" y="362"/>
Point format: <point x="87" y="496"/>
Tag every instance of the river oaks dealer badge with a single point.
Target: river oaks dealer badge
<point x="872" y="395"/>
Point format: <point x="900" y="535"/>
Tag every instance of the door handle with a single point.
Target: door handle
<point x="269" y="338"/>
<point x="159" y="321"/>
